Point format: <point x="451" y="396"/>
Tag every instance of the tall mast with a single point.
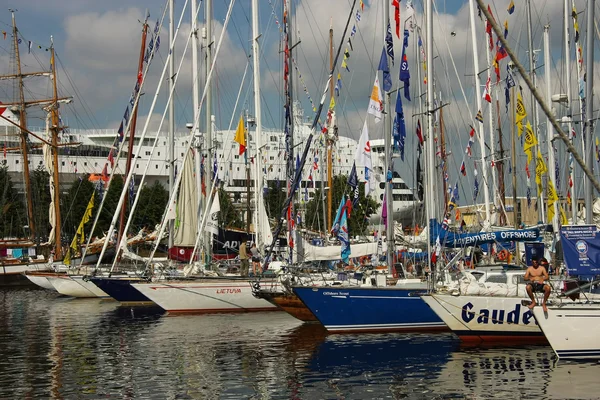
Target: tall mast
<point x="209" y="133"/>
<point x="171" y="140"/>
<point x="500" y="165"/>
<point x="23" y="126"/>
<point x="329" y="221"/>
<point x="567" y="59"/>
<point x="196" y="98"/>
<point x="486" y="192"/>
<point x="56" y="128"/>
<point x="430" y="193"/>
<point x="443" y="157"/>
<point x="387" y="136"/>
<point x="549" y="129"/>
<point x="140" y="73"/>
<point x="289" y="124"/>
<point x="258" y="119"/>
<point x="589" y="154"/>
<point x="492" y="160"/>
<point x="513" y="158"/>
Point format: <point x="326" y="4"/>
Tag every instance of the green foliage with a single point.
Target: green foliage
<point x="229" y="216"/>
<point x="151" y="207"/>
<point x="357" y="223"/>
<point x="40" y="195"/>
<point x="274" y="199"/>
<point x="13" y="215"/>
<point x="74" y="204"/>
<point x="110" y="205"/>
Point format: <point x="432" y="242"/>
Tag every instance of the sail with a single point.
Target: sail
<point x="265" y="235"/>
<point x="330" y="253"/>
<point x="47" y="154"/>
<point x="186" y="220"/>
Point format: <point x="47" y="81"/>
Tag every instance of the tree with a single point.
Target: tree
<point x="229" y="216"/>
<point x="110" y="205"/>
<point x="275" y="198"/>
<point x="74" y="204"/>
<point x="40" y="195"/>
<point x="13" y="216"/>
<point x="151" y="206"/>
<point x="358" y="221"/>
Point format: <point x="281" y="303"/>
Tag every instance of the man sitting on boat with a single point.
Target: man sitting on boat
<point x="536" y="276"/>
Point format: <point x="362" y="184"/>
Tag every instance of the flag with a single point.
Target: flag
<point x="396" y="4"/>
<point x="507" y="96"/>
<point x="540" y="170"/>
<point x="111" y="158"/>
<point x="486" y="93"/>
<point x="419" y="132"/>
<point x="505" y="29"/>
<point x="475" y="184"/>
<point x="240" y="136"/>
<point x="551" y="198"/>
<point x="530" y="141"/>
<point x="316" y="163"/>
<point x="423" y="58"/>
<point x="79" y="237"/>
<point x="212" y="225"/>
<point x="384" y="210"/>
<point x="389" y="42"/>
<point x="105" y="172"/>
<point x="338" y="84"/>
<point x="419" y="173"/>
<point x="343" y="237"/>
<point x="399" y="127"/>
<point x="332" y="103"/>
<point x="384" y="67"/>
<point x="463" y="169"/>
<point x="404" y="70"/>
<point x="358" y="16"/>
<point x="479" y="116"/>
<point x="521" y="114"/>
<point x="362" y="5"/>
<point x="353" y="183"/>
<point x="120" y="132"/>
<point x="363" y="156"/>
<point x="511" y="7"/>
<point x="335" y="227"/>
<point x="375" y="102"/>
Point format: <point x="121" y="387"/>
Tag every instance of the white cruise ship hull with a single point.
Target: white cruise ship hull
<point x="572" y="329"/>
<point x="479" y="319"/>
<point x="204" y="296"/>
<point x="76" y="286"/>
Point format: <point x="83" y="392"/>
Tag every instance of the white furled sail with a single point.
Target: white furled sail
<point x="264" y="234"/>
<point x="329" y="253"/>
<point x="186" y="219"/>
<point x="47" y="154"/>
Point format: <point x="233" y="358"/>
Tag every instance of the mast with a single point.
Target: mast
<point x="443" y="157"/>
<point x="589" y="154"/>
<point x="289" y="124"/>
<point x="329" y="221"/>
<point x="500" y="165"/>
<point x="23" y="126"/>
<point x="549" y="130"/>
<point x="171" y="140"/>
<point x="486" y="191"/>
<point x="387" y="135"/>
<point x="248" y="210"/>
<point x="140" y="73"/>
<point x="567" y="59"/>
<point x="208" y="102"/>
<point x="491" y="128"/>
<point x="56" y="128"/>
<point x="196" y="100"/>
<point x="258" y="119"/>
<point x="430" y="193"/>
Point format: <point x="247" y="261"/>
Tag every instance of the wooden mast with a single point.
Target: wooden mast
<point x="23" y="133"/>
<point x="329" y="221"/>
<point x="56" y="128"/>
<point x="140" y="73"/>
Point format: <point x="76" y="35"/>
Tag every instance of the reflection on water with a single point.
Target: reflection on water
<point x="54" y="347"/>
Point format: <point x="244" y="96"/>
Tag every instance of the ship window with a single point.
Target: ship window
<point x="156" y="166"/>
<point x="238" y="168"/>
<point x="17" y="161"/>
<point x="159" y="153"/>
<point x="181" y="154"/>
<point x="382" y="185"/>
<point x="501" y="278"/>
<point x="40" y="163"/>
<point x="381" y="196"/>
<point x="147" y="153"/>
<point x="85" y="164"/>
<point x="236" y="157"/>
<point x="273" y="138"/>
<point x="63" y="163"/>
<point x="271" y="158"/>
<point x="137" y="165"/>
<point x="95" y="164"/>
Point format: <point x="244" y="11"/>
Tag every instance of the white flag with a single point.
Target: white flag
<point x="375" y="102"/>
<point x="212" y="225"/>
<point x="363" y="157"/>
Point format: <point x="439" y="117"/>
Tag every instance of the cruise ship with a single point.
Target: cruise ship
<point x="86" y="152"/>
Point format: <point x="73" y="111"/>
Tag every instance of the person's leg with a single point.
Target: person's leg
<point x="530" y="293"/>
<point x="546" y="295"/>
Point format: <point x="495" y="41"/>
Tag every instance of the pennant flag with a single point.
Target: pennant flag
<point x="399" y="132"/>
<point x="530" y="141"/>
<point x="363" y="156"/>
<point x="332" y="103"/>
<point x="384" y="67"/>
<point x="501" y="53"/>
<point x="389" y="42"/>
<point x="362" y="5"/>
<point x="507" y="96"/>
<point x="511" y="7"/>
<point x="551" y="198"/>
<point x="120" y="132"/>
<point x="350" y="44"/>
<point x="521" y="114"/>
<point x="469" y="149"/>
<point x="111" y="158"/>
<point x="212" y="225"/>
<point x="346" y="54"/>
<point x="316" y="163"/>
<point x="353" y="183"/>
<point x="479" y="116"/>
<point x="345" y="65"/>
<point x="463" y="169"/>
<point x="540" y="170"/>
<point x="353" y="32"/>
<point x="423" y="59"/>
<point x="505" y="29"/>
<point x="404" y="70"/>
<point x="375" y="102"/>
<point x="335" y="227"/>
<point x="396" y="4"/>
<point x="105" y="172"/>
<point x="343" y="237"/>
<point x="240" y="136"/>
<point x="358" y="16"/>
<point x="597" y="149"/>
<point x="419" y="132"/>
<point x="486" y="93"/>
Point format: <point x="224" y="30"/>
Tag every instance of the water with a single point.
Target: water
<point x="55" y="347"/>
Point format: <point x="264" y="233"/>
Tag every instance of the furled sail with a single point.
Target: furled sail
<point x="186" y="220"/>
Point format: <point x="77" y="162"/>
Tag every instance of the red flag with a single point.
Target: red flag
<point x="486" y="93"/>
<point x="419" y="132"/>
<point x="105" y="172"/>
<point x="111" y="158"/>
<point x="463" y="169"/>
<point x="2" y="109"/>
<point x="396" y="5"/>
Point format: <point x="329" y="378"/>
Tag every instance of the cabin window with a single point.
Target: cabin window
<point x="381" y="197"/>
<point x="137" y="165"/>
<point x="238" y="168"/>
<point x="147" y="153"/>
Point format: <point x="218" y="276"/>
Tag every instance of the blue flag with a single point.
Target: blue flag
<point x="389" y="42"/>
<point x="384" y="66"/>
<point x="399" y="132"/>
<point x="404" y="71"/>
<point x="343" y="237"/>
<point x="353" y="183"/>
<point x="336" y="222"/>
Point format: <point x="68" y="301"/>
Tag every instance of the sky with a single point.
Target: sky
<point x="97" y="45"/>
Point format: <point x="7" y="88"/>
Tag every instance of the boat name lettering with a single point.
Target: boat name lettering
<point x="497" y="317"/>
<point x="229" y="291"/>
<point x="493" y="236"/>
<point x="336" y="293"/>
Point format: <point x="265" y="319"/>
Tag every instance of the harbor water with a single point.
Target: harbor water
<point x="63" y="348"/>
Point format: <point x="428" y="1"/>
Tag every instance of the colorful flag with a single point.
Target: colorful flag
<point x="530" y="141"/>
<point x="419" y="132"/>
<point x="335" y="227"/>
<point x="551" y="198"/>
<point x="79" y="237"/>
<point x="511" y="7"/>
<point x="396" y="4"/>
<point x="375" y="102"/>
<point x="384" y="67"/>
<point x="404" y="70"/>
<point x="363" y="155"/>
<point x="212" y="224"/>
<point x="389" y="42"/>
<point x="475" y="183"/>
<point x="399" y="127"/>
<point x="343" y="236"/>
<point x="240" y="136"/>
<point x="486" y="93"/>
<point x="540" y="170"/>
<point x="505" y="29"/>
<point x="479" y="116"/>
<point x="463" y="169"/>
<point x="353" y="183"/>
<point x="521" y="114"/>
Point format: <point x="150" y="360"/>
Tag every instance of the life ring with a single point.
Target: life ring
<point x="502" y="255"/>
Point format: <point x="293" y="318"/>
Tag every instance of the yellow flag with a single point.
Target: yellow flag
<point x="80" y="234"/>
<point x="563" y="216"/>
<point x="551" y="198"/>
<point x="521" y="114"/>
<point x="240" y="136"/>
<point x="332" y="103"/>
<point x="530" y="141"/>
<point x="540" y="169"/>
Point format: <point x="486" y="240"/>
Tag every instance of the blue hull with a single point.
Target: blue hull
<point x="356" y="309"/>
<point x="121" y="290"/>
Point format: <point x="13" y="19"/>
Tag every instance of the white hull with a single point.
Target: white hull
<point x="76" y="286"/>
<point x="572" y="329"/>
<point x="204" y="296"/>
<point x="22" y="268"/>
<point x="41" y="281"/>
<point x="485" y="318"/>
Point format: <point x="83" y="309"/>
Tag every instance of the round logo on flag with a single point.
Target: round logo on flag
<point x="582" y="247"/>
